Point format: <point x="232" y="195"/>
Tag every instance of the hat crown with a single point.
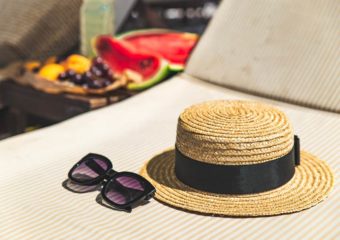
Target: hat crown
<point x="234" y="133"/>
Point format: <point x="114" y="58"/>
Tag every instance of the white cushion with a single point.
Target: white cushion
<point x="34" y="205"/>
<point x="284" y="49"/>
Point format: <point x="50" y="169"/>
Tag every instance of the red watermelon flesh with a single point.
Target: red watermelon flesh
<point x="120" y="56"/>
<point x="173" y="46"/>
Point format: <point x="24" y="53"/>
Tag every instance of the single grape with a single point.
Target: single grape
<point x="70" y="73"/>
<point x="97" y="61"/>
<point x="105" y="67"/>
<point x="99" y="73"/>
<point x="107" y="82"/>
<point x="78" y="79"/>
<point x="89" y="81"/>
<point x="87" y="76"/>
<point x="110" y="76"/>
<point x="110" y="73"/>
<point x="96" y="71"/>
<point x="63" y="76"/>
<point x="97" y="83"/>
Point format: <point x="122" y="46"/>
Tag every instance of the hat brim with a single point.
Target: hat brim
<point x="312" y="182"/>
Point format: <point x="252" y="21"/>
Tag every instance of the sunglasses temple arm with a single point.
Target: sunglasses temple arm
<point x="128" y="209"/>
<point x="94" y="166"/>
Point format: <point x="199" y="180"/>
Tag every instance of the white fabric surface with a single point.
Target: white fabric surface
<point x="283" y="49"/>
<point x="33" y="166"/>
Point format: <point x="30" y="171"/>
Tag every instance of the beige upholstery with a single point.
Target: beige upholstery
<point x="33" y="166"/>
<point x="286" y="49"/>
<point x="34" y="205"/>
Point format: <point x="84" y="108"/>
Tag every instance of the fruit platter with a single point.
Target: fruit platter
<point x="135" y="61"/>
<point x="75" y="74"/>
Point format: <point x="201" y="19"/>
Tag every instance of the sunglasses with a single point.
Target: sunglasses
<point x="121" y="190"/>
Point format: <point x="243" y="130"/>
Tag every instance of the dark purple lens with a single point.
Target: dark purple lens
<point x="90" y="169"/>
<point x="116" y="197"/>
<point x="130" y="182"/>
<point x="124" y="189"/>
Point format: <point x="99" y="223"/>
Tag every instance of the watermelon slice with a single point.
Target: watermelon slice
<point x="121" y="56"/>
<point x="172" y="45"/>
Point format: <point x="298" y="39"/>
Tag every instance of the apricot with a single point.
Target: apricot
<point x="78" y="63"/>
<point x="32" y="65"/>
<point x="51" y="71"/>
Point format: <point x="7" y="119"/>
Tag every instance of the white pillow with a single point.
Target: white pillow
<point x="284" y="49"/>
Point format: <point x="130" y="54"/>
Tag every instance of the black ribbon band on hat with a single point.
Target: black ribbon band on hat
<point x="237" y="179"/>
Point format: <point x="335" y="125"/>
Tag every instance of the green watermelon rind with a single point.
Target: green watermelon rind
<point x="172" y="66"/>
<point x="176" y="67"/>
<point x="143" y="31"/>
<point x="161" y="74"/>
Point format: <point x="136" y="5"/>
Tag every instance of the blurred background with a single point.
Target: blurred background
<point x="48" y="31"/>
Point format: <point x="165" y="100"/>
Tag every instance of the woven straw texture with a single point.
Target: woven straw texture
<point x="260" y="127"/>
<point x="285" y="49"/>
<point x="234" y="132"/>
<point x="37" y="28"/>
<point x="312" y="182"/>
<point x="33" y="166"/>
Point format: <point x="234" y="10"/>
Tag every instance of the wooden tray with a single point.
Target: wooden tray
<point x="55" y="87"/>
<point x="18" y="74"/>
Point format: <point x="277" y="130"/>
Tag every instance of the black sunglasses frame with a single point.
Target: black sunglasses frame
<point x="105" y="177"/>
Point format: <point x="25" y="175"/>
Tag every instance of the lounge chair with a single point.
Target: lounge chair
<point x="280" y="52"/>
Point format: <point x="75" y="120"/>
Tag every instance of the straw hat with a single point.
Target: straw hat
<point x="237" y="158"/>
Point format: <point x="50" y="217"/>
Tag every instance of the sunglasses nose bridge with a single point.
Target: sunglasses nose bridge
<point x="110" y="173"/>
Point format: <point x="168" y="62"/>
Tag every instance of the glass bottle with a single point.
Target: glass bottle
<point x="96" y="18"/>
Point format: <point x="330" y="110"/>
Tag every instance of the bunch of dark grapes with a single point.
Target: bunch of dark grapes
<point x="99" y="75"/>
